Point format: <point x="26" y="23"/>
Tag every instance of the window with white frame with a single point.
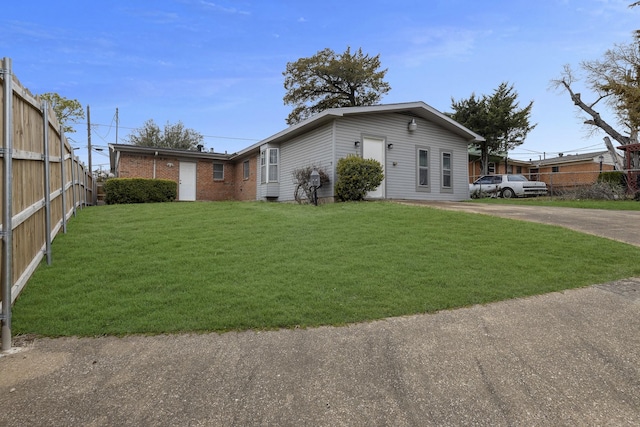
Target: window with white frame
<point x="218" y="171"/>
<point x="269" y="159"/>
<point x="273" y="165"/>
<point x="423" y="167"/>
<point x="446" y="170"/>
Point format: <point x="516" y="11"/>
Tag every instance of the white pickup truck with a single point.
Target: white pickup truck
<point x="506" y="186"/>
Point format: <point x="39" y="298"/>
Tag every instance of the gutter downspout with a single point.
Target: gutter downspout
<point x="154" y="164"/>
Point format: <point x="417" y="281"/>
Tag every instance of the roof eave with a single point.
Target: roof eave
<point x="156" y="151"/>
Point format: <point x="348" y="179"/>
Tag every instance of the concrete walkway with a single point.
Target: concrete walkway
<point x="570" y="358"/>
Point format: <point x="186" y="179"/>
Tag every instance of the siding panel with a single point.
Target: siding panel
<point x="400" y="161"/>
<point x="314" y="147"/>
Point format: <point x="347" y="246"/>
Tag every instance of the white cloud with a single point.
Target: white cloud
<point x="445" y="42"/>
<point x="217" y="7"/>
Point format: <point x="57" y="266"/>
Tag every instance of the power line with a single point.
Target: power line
<point x="235" y="138"/>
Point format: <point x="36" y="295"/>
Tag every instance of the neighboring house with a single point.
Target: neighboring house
<point x="496" y="165"/>
<point x="559" y="173"/>
<point x="423" y="153"/>
<point x="569" y="171"/>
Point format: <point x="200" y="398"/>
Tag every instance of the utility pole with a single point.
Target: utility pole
<point x="116" y="125"/>
<point x="89" y="140"/>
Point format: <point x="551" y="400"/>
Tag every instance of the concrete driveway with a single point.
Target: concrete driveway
<point x="623" y="226"/>
<point x="569" y="358"/>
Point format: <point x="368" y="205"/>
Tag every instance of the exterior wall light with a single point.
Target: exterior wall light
<point x="389" y="146"/>
<point x="357" y="144"/>
<point x="413" y="125"/>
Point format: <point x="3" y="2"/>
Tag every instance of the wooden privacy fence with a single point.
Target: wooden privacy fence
<point x="43" y="184"/>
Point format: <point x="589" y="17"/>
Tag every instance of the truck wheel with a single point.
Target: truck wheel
<point x="508" y="193"/>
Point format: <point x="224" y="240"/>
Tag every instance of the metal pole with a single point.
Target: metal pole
<point x="47" y="180"/>
<point x="7" y="211"/>
<point x="63" y="183"/>
<point x="117" y="119"/>
<point x="89" y="143"/>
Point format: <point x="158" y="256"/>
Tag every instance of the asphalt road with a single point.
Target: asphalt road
<point x="567" y="358"/>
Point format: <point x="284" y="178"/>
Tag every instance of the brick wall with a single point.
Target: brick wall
<point x="572" y="175"/>
<point x="233" y="186"/>
<point x="139" y="166"/>
<point x="208" y="188"/>
<point x="245" y="189"/>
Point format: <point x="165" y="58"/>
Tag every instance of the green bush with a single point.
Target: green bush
<point x="612" y="177"/>
<point x="139" y="190"/>
<point x="356" y="177"/>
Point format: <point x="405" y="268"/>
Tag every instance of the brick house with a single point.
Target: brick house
<point x="569" y="171"/>
<point x="200" y="175"/>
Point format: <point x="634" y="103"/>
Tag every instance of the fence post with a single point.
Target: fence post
<point x="73" y="181"/>
<point x="64" y="192"/>
<point x="47" y="180"/>
<point x="7" y="208"/>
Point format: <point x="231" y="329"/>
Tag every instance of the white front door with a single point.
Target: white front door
<point x="187" y="188"/>
<point x="373" y="148"/>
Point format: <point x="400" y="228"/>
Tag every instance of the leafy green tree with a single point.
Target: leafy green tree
<point x="329" y="80"/>
<point x="67" y="110"/>
<point x="510" y="121"/>
<point x="173" y="136"/>
<point x="473" y="113"/>
<point x="356" y="177"/>
<point x="498" y="118"/>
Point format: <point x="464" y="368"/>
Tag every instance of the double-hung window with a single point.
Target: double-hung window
<point x="423" y="168"/>
<point x="245" y="169"/>
<point x="218" y="171"/>
<point x="269" y="159"/>
<point x="446" y="170"/>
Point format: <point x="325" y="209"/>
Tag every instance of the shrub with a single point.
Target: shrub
<point x="139" y="190"/>
<point x="356" y="177"/>
<point x="303" y="193"/>
<point x="612" y="177"/>
<point x="601" y="191"/>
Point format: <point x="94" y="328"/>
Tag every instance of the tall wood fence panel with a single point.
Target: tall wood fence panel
<point x="42" y="184"/>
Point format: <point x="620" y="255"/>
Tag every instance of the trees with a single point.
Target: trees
<point x="615" y="80"/>
<point x="173" y="136"/>
<point x="329" y="80"/>
<point x="498" y="118"/>
<point x="474" y="114"/>
<point x="67" y="110"/>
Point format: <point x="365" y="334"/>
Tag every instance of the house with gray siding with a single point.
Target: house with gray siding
<point x="423" y="152"/>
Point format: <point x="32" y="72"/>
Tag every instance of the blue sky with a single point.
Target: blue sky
<point x="217" y="65"/>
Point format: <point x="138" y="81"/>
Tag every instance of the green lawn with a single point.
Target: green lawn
<point x="177" y="267"/>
